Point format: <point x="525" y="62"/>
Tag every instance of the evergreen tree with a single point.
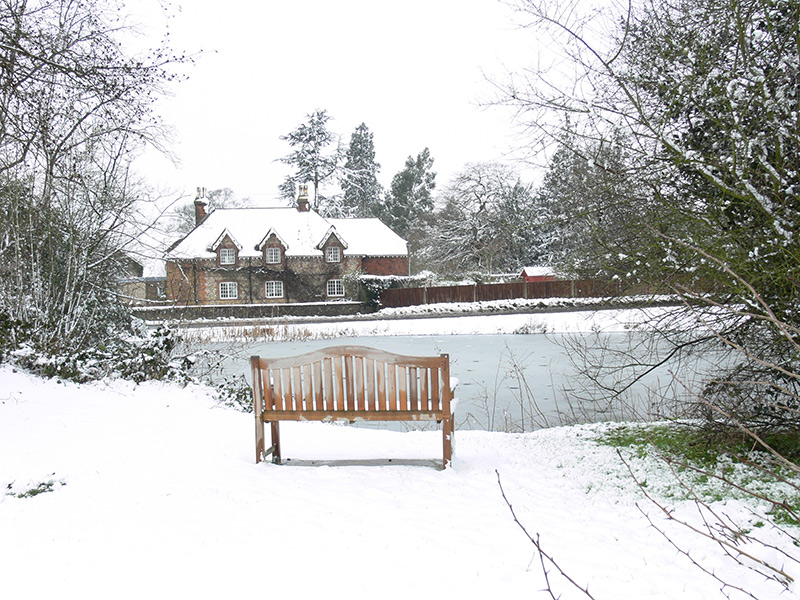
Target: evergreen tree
<point x="410" y="197"/>
<point x="359" y="179"/>
<point x="315" y="156"/>
<point x="592" y="208"/>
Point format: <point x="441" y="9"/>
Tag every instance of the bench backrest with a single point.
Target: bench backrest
<point x="350" y="382"/>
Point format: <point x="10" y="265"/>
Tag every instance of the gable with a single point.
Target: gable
<point x="225" y="235"/>
<point x="331" y="233"/>
<point x="269" y="237"/>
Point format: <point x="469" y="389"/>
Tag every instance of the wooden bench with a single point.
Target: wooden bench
<point x="352" y="383"/>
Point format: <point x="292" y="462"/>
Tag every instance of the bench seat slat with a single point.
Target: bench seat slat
<point x="351" y="415"/>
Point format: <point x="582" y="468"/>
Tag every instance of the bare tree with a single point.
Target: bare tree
<point x="488" y="222"/>
<point x="74" y="109"/>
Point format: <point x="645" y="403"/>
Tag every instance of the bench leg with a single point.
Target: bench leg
<point x="259" y="439"/>
<point x="447" y="439"/>
<point x="276" y="442"/>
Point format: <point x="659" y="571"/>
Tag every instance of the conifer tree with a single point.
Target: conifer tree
<point x="359" y="178"/>
<point x="410" y="197"/>
<point x="315" y="155"/>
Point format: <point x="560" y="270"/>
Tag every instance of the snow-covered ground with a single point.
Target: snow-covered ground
<point x="496" y="317"/>
<point x="154" y="493"/>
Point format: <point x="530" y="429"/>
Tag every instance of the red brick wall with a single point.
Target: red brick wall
<point x="177" y="285"/>
<point x="185" y="283"/>
<point x="385" y="265"/>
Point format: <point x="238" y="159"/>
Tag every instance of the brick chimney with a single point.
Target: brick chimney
<point x="302" y="199"/>
<point x="200" y="206"/>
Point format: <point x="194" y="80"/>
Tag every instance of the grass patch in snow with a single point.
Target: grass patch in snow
<point x="713" y="466"/>
<point x="40" y="488"/>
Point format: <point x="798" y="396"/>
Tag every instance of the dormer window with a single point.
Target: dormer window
<point x="227" y="256"/>
<point x="272" y="256"/>
<point x="333" y="254"/>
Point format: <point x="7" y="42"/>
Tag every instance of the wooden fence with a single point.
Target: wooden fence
<point x="582" y="288"/>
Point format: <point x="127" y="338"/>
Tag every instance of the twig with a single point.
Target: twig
<point x="775" y="573"/>
<point x="542" y="554"/>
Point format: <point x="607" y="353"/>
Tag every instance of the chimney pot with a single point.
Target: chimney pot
<point x="199" y="212"/>
<point x="302" y="199"/>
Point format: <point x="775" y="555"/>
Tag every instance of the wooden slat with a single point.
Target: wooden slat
<point x="371" y="399"/>
<point x="412" y="388"/>
<point x="360" y="393"/>
<point x="330" y="400"/>
<point x="338" y="382"/>
<point x="435" y="385"/>
<point x="349" y="386"/>
<point x="297" y="387"/>
<point x="381" y="374"/>
<point x="425" y="400"/>
<point x="353" y="415"/>
<point x="277" y="380"/>
<point x="334" y="351"/>
<point x="391" y="387"/>
<point x="318" y="385"/>
<point x="308" y="390"/>
<point x="402" y="373"/>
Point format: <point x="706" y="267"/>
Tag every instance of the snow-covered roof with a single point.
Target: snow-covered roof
<point x="369" y="237"/>
<point x="301" y="233"/>
<point x="538" y="271"/>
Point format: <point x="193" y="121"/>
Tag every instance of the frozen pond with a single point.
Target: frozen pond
<point x="506" y="382"/>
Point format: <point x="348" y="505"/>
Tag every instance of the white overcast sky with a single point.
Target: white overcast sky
<point x="414" y="71"/>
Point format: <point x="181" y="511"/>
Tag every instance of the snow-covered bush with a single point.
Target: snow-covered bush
<point x="235" y="392"/>
<point x="136" y="357"/>
<point x="12" y="334"/>
<point x="373" y="285"/>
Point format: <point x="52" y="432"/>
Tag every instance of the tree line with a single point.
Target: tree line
<point x="485" y="220"/>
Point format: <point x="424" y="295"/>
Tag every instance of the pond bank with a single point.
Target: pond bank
<point x="356" y="312"/>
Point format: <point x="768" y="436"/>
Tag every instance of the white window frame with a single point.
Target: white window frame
<point x="227" y="256"/>
<point x="333" y="254"/>
<point x="228" y="290"/>
<point x="272" y="256"/>
<point x="276" y="291"/>
<point x="335" y="288"/>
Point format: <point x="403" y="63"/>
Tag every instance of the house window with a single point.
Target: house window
<point x="273" y="289"/>
<point x="227" y="256"/>
<point x="333" y="254"/>
<point x="228" y="290"/>
<point x="273" y="256"/>
<point x="335" y="287"/>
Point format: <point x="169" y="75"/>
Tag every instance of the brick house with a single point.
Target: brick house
<point x="278" y="255"/>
